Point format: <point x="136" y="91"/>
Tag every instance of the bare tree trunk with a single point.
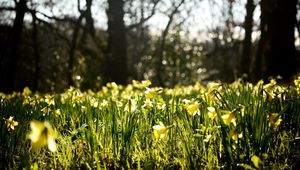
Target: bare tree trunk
<point x="73" y="48"/>
<point x="116" y="56"/>
<point x="11" y="70"/>
<point x="36" y="52"/>
<point x="263" y="44"/>
<point x="247" y="44"/>
<point x="282" y="28"/>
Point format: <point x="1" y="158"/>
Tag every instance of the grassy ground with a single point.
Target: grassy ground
<point x="213" y="126"/>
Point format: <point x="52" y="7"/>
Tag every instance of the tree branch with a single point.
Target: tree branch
<point x="143" y="20"/>
<point x="7" y="8"/>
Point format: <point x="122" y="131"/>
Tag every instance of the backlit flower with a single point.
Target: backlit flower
<point x="160" y="131"/>
<point x="151" y="92"/>
<point x="233" y="134"/>
<point x="275" y="119"/>
<point x="228" y="117"/>
<point x="141" y="85"/>
<point x="192" y="107"/>
<point x="256" y="161"/>
<point x="212" y="86"/>
<point x="11" y="123"/>
<point x="42" y="134"/>
<point x="211" y="112"/>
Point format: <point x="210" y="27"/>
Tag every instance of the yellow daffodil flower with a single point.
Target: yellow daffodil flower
<point x="146" y="83"/>
<point x="192" y="107"/>
<point x="233" y="134"/>
<point x="147" y="104"/>
<point x="26" y="91"/>
<point x="297" y="82"/>
<point x="212" y="86"/>
<point x="11" y="123"/>
<point x="49" y="100"/>
<point x="94" y="103"/>
<point x="228" y="117"/>
<point x="160" y="131"/>
<point x="151" y="92"/>
<point x="270" y="86"/>
<point x="256" y="161"/>
<point x="275" y="119"/>
<point x="57" y="112"/>
<point x="211" y="112"/>
<point x="141" y="85"/>
<point x="42" y="134"/>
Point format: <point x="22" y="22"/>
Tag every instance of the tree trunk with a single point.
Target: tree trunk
<point x="11" y="70"/>
<point x="116" y="56"/>
<point x="282" y="41"/>
<point x="73" y="48"/>
<point x="263" y="48"/>
<point x="36" y="52"/>
<point x="247" y="44"/>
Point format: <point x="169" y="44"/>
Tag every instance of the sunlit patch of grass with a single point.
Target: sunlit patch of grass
<point x="238" y="125"/>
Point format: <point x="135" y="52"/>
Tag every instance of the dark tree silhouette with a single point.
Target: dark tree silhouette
<point x="263" y="44"/>
<point x="276" y="48"/>
<point x="282" y="39"/>
<point x="247" y="44"/>
<point x="11" y="69"/>
<point x="116" y="55"/>
<point x="36" y="51"/>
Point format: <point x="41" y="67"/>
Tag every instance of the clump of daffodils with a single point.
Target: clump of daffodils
<point x="42" y="134"/>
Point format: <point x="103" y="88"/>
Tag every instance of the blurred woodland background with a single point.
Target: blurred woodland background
<point x="49" y="45"/>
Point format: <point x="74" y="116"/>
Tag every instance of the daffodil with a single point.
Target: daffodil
<point x="256" y="161"/>
<point x="212" y="86"/>
<point x="228" y="117"/>
<point x="57" y="112"/>
<point x="26" y="91"/>
<point x="34" y="166"/>
<point x="42" y="134"/>
<point x="270" y="86"/>
<point x="275" y="119"/>
<point x="49" y="100"/>
<point x="11" y="123"/>
<point x="94" y="103"/>
<point x="146" y="83"/>
<point x="131" y="105"/>
<point x="297" y="82"/>
<point x="233" y="134"/>
<point x="211" y="112"/>
<point x="151" y="92"/>
<point x="147" y="104"/>
<point x="207" y="138"/>
<point x="141" y="85"/>
<point x="104" y="103"/>
<point x="160" y="131"/>
<point x="192" y="107"/>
